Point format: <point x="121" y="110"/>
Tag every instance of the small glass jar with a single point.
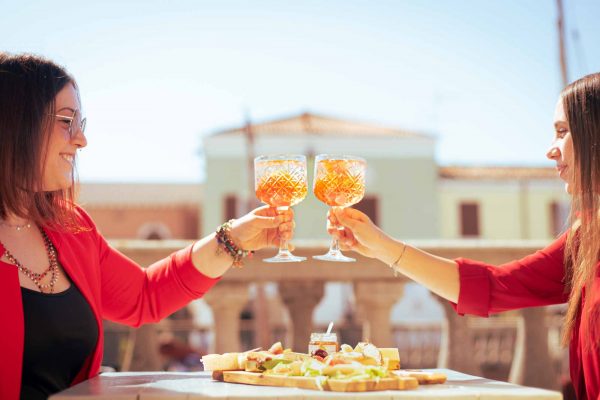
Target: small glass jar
<point x="324" y="341"/>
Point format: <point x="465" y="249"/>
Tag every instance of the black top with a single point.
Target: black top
<point x="60" y="333"/>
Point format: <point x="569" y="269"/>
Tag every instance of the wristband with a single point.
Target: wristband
<point x="227" y="245"/>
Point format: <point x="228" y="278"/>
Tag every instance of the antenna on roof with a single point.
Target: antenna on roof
<point x="307" y="126"/>
<point x="251" y="201"/>
<point x="561" y="44"/>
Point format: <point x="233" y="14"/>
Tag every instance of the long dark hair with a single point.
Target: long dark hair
<point x="581" y="101"/>
<point x="28" y="88"/>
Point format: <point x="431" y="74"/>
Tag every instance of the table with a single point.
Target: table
<point x="199" y="385"/>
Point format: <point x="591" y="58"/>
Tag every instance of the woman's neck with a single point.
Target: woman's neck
<point x="13" y="222"/>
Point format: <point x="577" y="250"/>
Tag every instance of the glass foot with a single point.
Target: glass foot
<point x="334" y="256"/>
<point x="284" y="257"/>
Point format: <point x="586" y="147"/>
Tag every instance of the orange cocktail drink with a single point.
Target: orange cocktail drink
<point x="339" y="182"/>
<point x="280" y="181"/>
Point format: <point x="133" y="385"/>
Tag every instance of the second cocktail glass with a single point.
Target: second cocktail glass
<point x="339" y="182"/>
<point x="280" y="181"/>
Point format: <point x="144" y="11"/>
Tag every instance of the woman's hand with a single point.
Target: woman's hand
<point x="259" y="228"/>
<point x="263" y="227"/>
<point x="359" y="233"/>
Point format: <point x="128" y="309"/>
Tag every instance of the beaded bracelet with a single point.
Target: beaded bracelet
<point x="227" y="245"/>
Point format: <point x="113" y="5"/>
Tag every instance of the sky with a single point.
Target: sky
<point x="481" y="76"/>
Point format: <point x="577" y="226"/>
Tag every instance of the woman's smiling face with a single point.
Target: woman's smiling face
<point x="63" y="142"/>
<point x="561" y="150"/>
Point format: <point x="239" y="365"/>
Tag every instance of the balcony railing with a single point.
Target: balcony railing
<point x="512" y="348"/>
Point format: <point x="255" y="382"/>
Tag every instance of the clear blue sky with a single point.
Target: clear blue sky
<point x="482" y="76"/>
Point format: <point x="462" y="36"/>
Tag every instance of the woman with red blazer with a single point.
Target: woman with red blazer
<point x="565" y="271"/>
<point x="58" y="276"/>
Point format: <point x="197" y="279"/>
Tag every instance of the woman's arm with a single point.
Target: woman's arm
<point x="474" y="287"/>
<point x="133" y="295"/>
<point x="260" y="228"/>
<point x="438" y="274"/>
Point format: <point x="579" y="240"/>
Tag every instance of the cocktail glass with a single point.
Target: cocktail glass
<point x="339" y="182"/>
<point x="280" y="181"/>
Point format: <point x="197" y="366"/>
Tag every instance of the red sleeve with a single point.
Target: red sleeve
<point x="535" y="280"/>
<point x="134" y="295"/>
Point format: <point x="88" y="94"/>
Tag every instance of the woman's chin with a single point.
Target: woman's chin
<point x="58" y="184"/>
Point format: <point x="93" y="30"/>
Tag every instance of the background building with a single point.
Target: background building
<point x="408" y="195"/>
<point x="144" y="210"/>
<point x="501" y="203"/>
<point x="401" y="191"/>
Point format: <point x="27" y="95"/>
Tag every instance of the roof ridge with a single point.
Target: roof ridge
<point x="316" y="123"/>
<point x="497" y="172"/>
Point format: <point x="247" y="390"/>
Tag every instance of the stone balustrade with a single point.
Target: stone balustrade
<point x="376" y="290"/>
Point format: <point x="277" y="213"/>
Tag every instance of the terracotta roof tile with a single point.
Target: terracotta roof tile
<point x="309" y="123"/>
<point x="497" y="173"/>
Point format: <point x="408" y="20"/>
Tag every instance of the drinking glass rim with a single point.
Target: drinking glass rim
<point x="320" y="157"/>
<point x="293" y="157"/>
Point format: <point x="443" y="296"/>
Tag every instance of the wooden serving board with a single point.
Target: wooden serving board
<point x="396" y="383"/>
<point x="316" y="383"/>
<point x="424" y="377"/>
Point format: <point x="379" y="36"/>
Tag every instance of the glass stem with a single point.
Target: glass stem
<point x="335" y="246"/>
<point x="335" y="243"/>
<point x="283" y="244"/>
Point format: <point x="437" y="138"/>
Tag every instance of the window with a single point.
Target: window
<point x="154" y="230"/>
<point x="370" y="206"/>
<point x="153" y="236"/>
<point x="230" y="207"/>
<point x="559" y="213"/>
<point x="469" y="219"/>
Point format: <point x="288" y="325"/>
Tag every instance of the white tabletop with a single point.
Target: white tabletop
<point x="199" y="385"/>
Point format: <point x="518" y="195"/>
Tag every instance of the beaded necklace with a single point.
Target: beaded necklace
<point x="35" y="277"/>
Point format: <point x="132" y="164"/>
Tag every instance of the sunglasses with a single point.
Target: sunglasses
<point x="74" y="123"/>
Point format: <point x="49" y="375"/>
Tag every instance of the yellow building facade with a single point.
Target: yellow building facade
<point x="508" y="203"/>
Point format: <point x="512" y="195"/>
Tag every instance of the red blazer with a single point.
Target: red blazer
<point x="536" y="280"/>
<point x="116" y="288"/>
